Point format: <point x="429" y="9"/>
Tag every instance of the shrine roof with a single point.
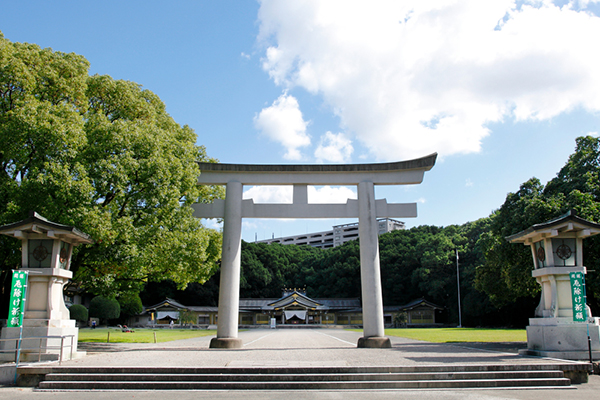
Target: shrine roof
<point x="166" y="304"/>
<point x="412" y="305"/>
<point x="295" y="298"/>
<point x="319" y="304"/>
<point x="568" y="222"/>
<point x="38" y="224"/>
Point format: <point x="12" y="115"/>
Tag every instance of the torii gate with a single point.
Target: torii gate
<point x="367" y="209"/>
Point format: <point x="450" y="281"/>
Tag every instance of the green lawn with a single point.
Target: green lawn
<point x="459" y="335"/>
<point x="436" y="335"/>
<point x="100" y="335"/>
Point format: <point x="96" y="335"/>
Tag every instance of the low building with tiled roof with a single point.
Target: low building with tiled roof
<point x="293" y="308"/>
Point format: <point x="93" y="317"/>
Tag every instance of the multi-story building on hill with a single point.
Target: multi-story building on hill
<point x="338" y="235"/>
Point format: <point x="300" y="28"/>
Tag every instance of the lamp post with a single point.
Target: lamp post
<point x="458" y="286"/>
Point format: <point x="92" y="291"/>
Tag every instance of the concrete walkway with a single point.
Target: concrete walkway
<point x="308" y="347"/>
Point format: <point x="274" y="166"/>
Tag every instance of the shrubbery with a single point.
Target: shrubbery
<point x="131" y="305"/>
<point x="78" y="312"/>
<point x="104" y="308"/>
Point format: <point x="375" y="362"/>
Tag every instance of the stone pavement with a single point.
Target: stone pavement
<point x="308" y="347"/>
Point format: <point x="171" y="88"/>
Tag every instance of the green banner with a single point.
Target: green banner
<point x="578" y="293"/>
<point x="17" y="299"/>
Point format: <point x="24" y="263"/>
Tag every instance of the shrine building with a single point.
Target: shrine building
<point x="293" y="308"/>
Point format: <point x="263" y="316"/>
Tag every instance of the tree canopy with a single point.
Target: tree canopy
<point x="130" y="305"/>
<point x="506" y="273"/>
<point x="78" y="312"/>
<point x="104" y="308"/>
<point x="102" y="155"/>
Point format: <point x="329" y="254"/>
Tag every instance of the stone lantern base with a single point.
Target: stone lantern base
<point x="45" y="315"/>
<point x="34" y="347"/>
<point x="562" y="338"/>
<point x="46" y="250"/>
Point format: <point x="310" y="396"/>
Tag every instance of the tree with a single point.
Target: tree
<point x="102" y="155"/>
<point x="332" y="272"/>
<point x="267" y="269"/>
<point x="78" y="312"/>
<point x="104" y="308"/>
<point x="579" y="179"/>
<point x="130" y="305"/>
<point x="400" y="319"/>
<point x="578" y="185"/>
<point x="186" y="317"/>
<point x="506" y="273"/>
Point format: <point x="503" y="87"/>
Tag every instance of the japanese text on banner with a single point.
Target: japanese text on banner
<point x="17" y="299"/>
<point x="578" y="293"/>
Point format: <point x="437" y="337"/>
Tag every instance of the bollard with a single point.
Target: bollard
<point x="154" y="337"/>
<point x="108" y="338"/>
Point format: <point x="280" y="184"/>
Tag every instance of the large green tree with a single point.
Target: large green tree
<point x="506" y="273"/>
<point x="266" y="269"/>
<point x="102" y="155"/>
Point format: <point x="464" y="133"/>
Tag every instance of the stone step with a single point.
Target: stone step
<point x="229" y="377"/>
<point x="57" y="378"/>
<point x="47" y="369"/>
<point x="305" y="385"/>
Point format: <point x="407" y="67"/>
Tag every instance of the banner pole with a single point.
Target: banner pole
<point x="20" y="340"/>
<point x="588" y="322"/>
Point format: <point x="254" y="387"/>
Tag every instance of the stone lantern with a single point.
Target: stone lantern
<point x="46" y="249"/>
<point x="557" y="251"/>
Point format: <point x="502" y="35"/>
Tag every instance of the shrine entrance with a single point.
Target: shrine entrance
<point x="366" y="208"/>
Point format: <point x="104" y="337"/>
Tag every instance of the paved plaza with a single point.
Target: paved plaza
<point x="307" y="347"/>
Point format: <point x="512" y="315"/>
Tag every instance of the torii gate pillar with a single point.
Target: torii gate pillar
<point x="367" y="209"/>
<point x="370" y="274"/>
<point x="229" y="290"/>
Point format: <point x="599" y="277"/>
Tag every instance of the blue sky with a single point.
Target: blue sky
<point x="500" y="89"/>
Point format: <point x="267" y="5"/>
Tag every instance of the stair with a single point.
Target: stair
<point x="57" y="378"/>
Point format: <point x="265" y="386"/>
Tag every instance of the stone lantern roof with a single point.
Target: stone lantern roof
<point x="568" y="224"/>
<point x="36" y="224"/>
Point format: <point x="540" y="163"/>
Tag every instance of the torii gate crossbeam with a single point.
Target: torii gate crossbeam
<point x="367" y="209"/>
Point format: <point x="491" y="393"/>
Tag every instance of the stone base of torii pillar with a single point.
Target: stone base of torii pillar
<point x="367" y="209"/>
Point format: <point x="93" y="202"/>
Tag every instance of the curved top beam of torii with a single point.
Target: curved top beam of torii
<point x="300" y="176"/>
<point x="395" y="173"/>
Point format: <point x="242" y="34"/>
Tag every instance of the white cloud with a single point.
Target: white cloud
<point x="269" y="194"/>
<point x="408" y="78"/>
<point x="283" y="122"/>
<point x="335" y="148"/>
<point x="284" y="194"/>
<point x="468" y="182"/>
<point x="330" y="194"/>
<point x="249" y="225"/>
